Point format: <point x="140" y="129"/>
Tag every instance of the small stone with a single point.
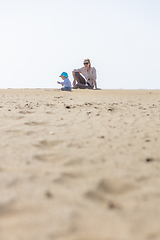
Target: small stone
<point x="149" y="159"/>
<point x="112" y="205"/>
<point x="102" y="137"/>
<point x="67" y="106"/>
<point x="88" y="113"/>
<point x="48" y="194"/>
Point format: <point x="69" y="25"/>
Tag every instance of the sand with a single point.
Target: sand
<point x="80" y="165"/>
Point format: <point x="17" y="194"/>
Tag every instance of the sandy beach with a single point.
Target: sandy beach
<point x="80" y="165"/>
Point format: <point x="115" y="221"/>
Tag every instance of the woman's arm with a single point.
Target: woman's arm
<point x="80" y="70"/>
<point x="94" y="76"/>
<point x="95" y="84"/>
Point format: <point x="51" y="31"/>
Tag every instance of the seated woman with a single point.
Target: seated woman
<point x="85" y="77"/>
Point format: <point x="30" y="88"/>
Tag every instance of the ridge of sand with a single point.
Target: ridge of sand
<point x="80" y="165"/>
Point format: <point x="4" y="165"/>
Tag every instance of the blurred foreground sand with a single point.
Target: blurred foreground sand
<point x="80" y="165"/>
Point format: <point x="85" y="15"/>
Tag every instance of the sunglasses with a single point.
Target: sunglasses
<point x="86" y="63"/>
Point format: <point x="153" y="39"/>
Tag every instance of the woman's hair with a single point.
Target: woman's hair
<point x="87" y="59"/>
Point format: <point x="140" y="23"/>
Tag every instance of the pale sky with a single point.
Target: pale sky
<point x="42" y="38"/>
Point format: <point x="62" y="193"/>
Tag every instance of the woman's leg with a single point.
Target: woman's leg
<point x="90" y="87"/>
<point x="78" y="77"/>
<point x="81" y="82"/>
<point x="80" y="85"/>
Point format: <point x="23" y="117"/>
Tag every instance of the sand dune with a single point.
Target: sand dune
<point x="80" y="165"/>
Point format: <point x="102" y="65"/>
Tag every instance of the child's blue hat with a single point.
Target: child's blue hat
<point x="64" y="74"/>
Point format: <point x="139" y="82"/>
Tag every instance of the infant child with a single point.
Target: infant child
<point x="66" y="82"/>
